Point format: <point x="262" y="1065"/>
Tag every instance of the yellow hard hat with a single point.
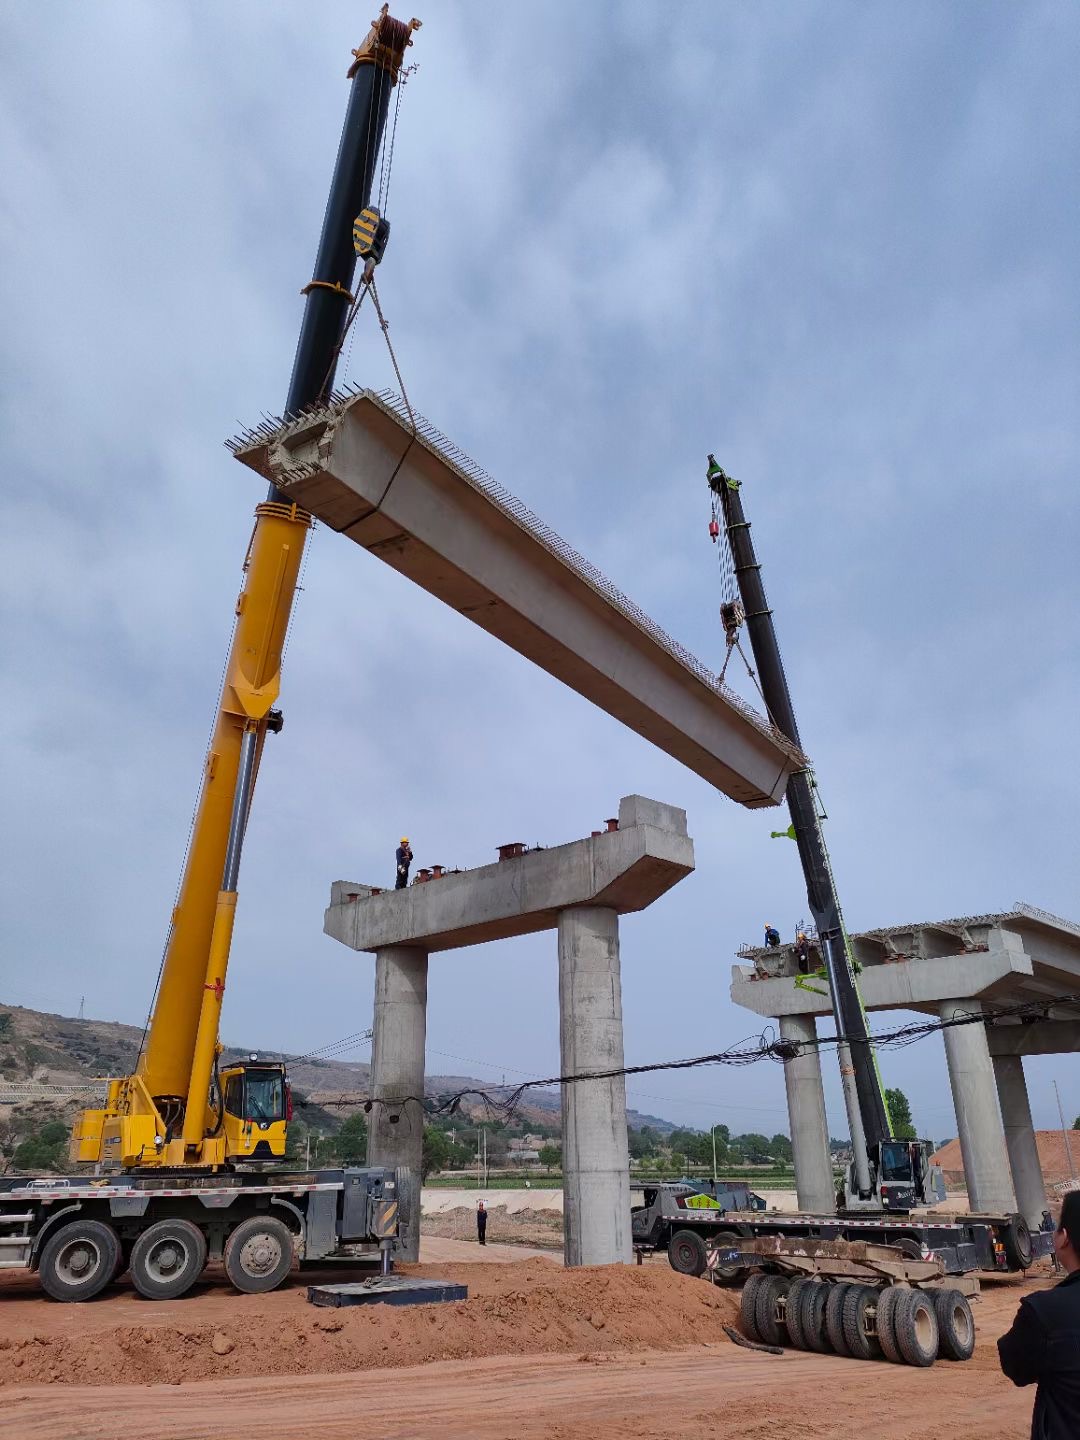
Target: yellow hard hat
<point x="404" y="839"/>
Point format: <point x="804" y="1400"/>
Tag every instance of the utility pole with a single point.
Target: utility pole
<point x="1064" y="1132"/>
<point x="307" y="1152"/>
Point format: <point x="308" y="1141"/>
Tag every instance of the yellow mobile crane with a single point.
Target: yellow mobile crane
<point x="177" y="1110"/>
<point x="180" y="1146"/>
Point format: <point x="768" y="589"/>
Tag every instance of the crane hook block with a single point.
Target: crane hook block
<point x="370" y="232"/>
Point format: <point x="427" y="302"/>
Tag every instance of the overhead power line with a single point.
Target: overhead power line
<point x="764" y="1046"/>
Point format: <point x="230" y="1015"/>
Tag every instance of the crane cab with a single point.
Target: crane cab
<point x="255" y="1103"/>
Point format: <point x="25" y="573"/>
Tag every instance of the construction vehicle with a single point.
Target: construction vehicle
<point x="178" y="1144"/>
<point x="889" y="1180"/>
<point x="683" y="1218"/>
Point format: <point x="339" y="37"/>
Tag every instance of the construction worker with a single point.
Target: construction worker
<point x="802" y="952"/>
<point x="1043" y="1346"/>
<point x="404" y="860"/>
<point x="481" y="1222"/>
<point x="772" y="937"/>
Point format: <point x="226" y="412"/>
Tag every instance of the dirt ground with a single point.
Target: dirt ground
<point x="535" y="1351"/>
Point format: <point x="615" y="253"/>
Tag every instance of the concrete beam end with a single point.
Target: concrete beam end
<point x="637" y="810"/>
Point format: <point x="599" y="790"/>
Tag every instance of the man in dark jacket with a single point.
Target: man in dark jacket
<point x="1043" y="1346"/>
<point x="404" y="860"/>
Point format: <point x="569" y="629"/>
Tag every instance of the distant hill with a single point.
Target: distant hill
<point x="58" y="1050"/>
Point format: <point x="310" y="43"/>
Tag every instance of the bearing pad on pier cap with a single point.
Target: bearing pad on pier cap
<point x="411" y="498"/>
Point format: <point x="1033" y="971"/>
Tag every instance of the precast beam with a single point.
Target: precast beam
<point x="408" y="496"/>
<point x="622" y="870"/>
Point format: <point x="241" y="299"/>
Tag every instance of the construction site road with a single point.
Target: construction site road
<point x="536" y="1351"/>
<point x="698" y="1393"/>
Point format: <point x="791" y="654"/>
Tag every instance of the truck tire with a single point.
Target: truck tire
<point x="812" y="1317"/>
<point x="686" y="1253"/>
<point x="1016" y="1238"/>
<point x="167" y="1259"/>
<point x="916" y="1328"/>
<point x="727" y="1274"/>
<point x="956" y="1325"/>
<point x="858" y="1302"/>
<point x="834" y="1315"/>
<point x="747" y="1306"/>
<point x="259" y="1254"/>
<point x="79" y="1260"/>
<point x="885" y="1323"/>
<point x="771" y="1330"/>
<point x="793" y="1313"/>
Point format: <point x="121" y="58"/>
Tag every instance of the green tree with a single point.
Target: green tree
<point x="780" y="1148"/>
<point x="1076" y="1123"/>
<point x="900" y="1114"/>
<point x="435" y="1152"/>
<point x="755" y="1148"/>
<point x="349" y="1145"/>
<point x="44" y="1149"/>
<point x="550" y="1156"/>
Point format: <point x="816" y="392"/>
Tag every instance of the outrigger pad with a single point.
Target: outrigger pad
<point x="387" y="1290"/>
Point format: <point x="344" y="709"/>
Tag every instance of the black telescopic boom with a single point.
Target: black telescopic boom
<point x="328" y="296"/>
<point x="820" y="890"/>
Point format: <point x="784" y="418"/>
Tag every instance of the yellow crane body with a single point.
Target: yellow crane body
<point x="160" y="1115"/>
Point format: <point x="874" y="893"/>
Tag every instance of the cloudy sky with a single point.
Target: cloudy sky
<point x="834" y="243"/>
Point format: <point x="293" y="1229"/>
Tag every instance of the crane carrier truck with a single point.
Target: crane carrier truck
<point x="184" y="1159"/>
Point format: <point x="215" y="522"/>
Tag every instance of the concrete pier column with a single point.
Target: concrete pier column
<point x="814" y="1182"/>
<point x="1020" y="1138"/>
<point x="396" y="1127"/>
<point x="978" y="1122"/>
<point x="596" y="1173"/>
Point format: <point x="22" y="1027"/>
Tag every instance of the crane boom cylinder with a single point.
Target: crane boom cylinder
<point x="866" y="1106"/>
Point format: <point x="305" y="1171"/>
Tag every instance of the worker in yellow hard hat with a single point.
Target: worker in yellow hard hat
<point x="772" y="937"/>
<point x="404" y="860"/>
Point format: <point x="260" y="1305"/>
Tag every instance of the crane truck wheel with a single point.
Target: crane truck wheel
<point x="885" y="1323"/>
<point x="686" y="1253"/>
<point x="794" y="1321"/>
<point x="956" y="1325"/>
<point x="167" y="1259"/>
<point x="916" y="1327"/>
<point x="769" y="1295"/>
<point x="812" y="1303"/>
<point x="858" y="1303"/>
<point x="727" y="1274"/>
<point x="834" y="1315"/>
<point x="748" y="1306"/>
<point x="79" y="1260"/>
<point x="1016" y="1238"/>
<point x="259" y="1254"/>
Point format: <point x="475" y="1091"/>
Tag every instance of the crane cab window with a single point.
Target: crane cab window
<point x="896" y="1162"/>
<point x="256" y="1095"/>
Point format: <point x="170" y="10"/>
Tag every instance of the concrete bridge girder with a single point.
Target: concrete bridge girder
<point x="411" y="499"/>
